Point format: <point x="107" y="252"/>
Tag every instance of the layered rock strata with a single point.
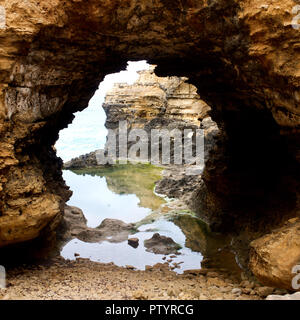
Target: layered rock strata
<point x="243" y="57"/>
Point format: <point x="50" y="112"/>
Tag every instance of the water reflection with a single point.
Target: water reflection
<point x="125" y="192"/>
<point x="122" y="254"/>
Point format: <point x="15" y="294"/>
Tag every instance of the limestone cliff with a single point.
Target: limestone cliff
<point x="153" y="102"/>
<point x="168" y="100"/>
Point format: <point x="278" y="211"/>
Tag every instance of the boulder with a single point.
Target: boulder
<point x="273" y="256"/>
<point x="161" y="245"/>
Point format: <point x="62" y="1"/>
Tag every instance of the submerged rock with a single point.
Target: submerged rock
<point x="161" y="245"/>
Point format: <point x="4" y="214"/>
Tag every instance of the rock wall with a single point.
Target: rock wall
<point x="158" y="103"/>
<point x="153" y="102"/>
<point x="170" y="100"/>
<point x="243" y="57"/>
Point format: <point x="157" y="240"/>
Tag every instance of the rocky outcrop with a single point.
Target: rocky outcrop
<point x="84" y="161"/>
<point x="273" y="256"/>
<point x="155" y="102"/>
<point x="74" y="226"/>
<point x="158" y="103"/>
<point x="161" y="245"/>
<point x="242" y="56"/>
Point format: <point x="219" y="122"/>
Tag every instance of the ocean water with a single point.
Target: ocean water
<point x="87" y="131"/>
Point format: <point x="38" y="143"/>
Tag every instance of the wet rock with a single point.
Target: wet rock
<point x="74" y="226"/>
<point x="111" y="230"/>
<point x="74" y="215"/>
<point x="133" y="242"/>
<point x="114" y="226"/>
<point x="161" y="245"/>
<point x="178" y="186"/>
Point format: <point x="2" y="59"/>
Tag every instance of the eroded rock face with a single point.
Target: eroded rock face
<point x="242" y="56"/>
<point x="84" y="161"/>
<point x="155" y="101"/>
<point x="149" y="103"/>
<point x="273" y="256"/>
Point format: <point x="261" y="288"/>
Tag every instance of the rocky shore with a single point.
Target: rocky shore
<point x="154" y="103"/>
<point x="55" y="278"/>
<point x="241" y="56"/>
<point x="85" y="280"/>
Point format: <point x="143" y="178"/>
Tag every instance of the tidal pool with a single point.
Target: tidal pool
<point x="124" y="192"/>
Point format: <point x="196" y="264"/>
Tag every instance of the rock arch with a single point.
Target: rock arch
<point x="243" y="56"/>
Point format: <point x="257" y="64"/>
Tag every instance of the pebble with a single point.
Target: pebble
<point x="83" y="279"/>
<point x="133" y="242"/>
<point x="236" y="291"/>
<point x="264" y="291"/>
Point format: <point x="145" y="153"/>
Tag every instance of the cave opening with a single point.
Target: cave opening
<point x="235" y="177"/>
<point x="123" y="197"/>
<point x="52" y="63"/>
